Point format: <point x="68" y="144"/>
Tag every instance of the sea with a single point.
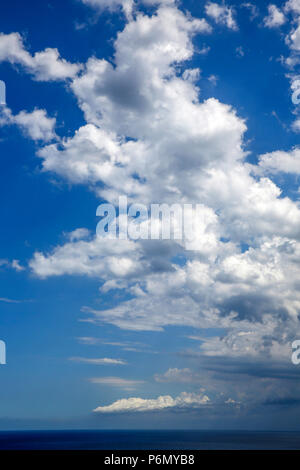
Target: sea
<point x="149" y="440"/>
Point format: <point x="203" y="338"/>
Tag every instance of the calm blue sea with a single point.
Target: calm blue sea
<point x="148" y="440"/>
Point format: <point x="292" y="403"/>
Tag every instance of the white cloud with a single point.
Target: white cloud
<point x="149" y="136"/>
<point x="92" y="258"/>
<point x="240" y="51"/>
<point x="293" y="40"/>
<point x="9" y="301"/>
<point x="178" y="376"/>
<point x="247" y="344"/>
<point x="145" y="313"/>
<point x="44" y="66"/>
<point x="281" y="162"/>
<point x="145" y="51"/>
<point x="293" y="6"/>
<point x="222" y="14"/>
<point x="78" y="234"/>
<point x="204" y="50"/>
<point x="158" y="2"/>
<point x="36" y="125"/>
<point x="91" y="155"/>
<point x="126" y="5"/>
<point x="111" y="5"/>
<point x="253" y="9"/>
<point x="117" y="382"/>
<point x="88" y="340"/>
<point x="15" y="264"/>
<point x="275" y="17"/>
<point x="296" y="125"/>
<point x="216" y="137"/>
<point x="184" y="400"/>
<point x="213" y="79"/>
<point x="104" y="361"/>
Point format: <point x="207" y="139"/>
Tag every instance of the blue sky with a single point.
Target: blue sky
<point x="162" y="101"/>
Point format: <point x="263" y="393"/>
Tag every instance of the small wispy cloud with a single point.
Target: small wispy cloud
<point x="240" y="52"/>
<point x="88" y="340"/>
<point x="118" y="382"/>
<point x="7" y="300"/>
<point x="10" y="301"/>
<point x="254" y="12"/>
<point x="129" y="346"/>
<point x="15" y="264"/>
<point x="179" y="376"/>
<point x="204" y="50"/>
<point x="104" y="361"/>
<point x="213" y="79"/>
<point x="125" y="346"/>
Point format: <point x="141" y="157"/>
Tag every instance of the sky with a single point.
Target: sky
<point x="164" y="102"/>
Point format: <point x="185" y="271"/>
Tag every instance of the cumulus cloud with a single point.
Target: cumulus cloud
<point x="46" y="65"/>
<point x="293" y="40"/>
<point x="275" y="17"/>
<point x="159" y="2"/>
<point x="91" y="258"/>
<point x="281" y="162"/>
<point x="126" y="5"/>
<point x="296" y="125"/>
<point x="111" y="5"/>
<point x="78" y="234"/>
<point x="183" y="401"/>
<point x="212" y="130"/>
<point x="253" y="343"/>
<point x="145" y="52"/>
<point x="36" y="124"/>
<point x="149" y="135"/>
<point x="222" y="14"/>
<point x="293" y="6"/>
